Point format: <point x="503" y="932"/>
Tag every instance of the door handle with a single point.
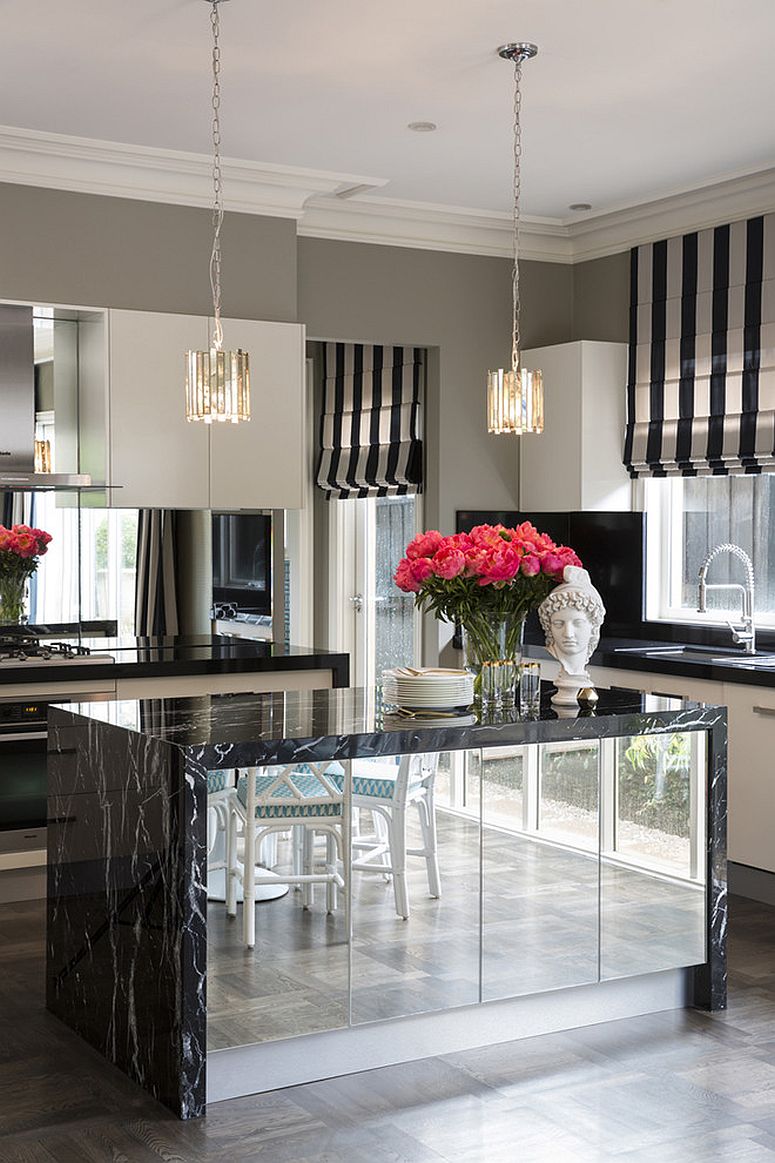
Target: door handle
<point x="356" y="601"/>
<point x="769" y="712"/>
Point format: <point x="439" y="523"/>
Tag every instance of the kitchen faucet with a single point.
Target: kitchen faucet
<point x="746" y="635"/>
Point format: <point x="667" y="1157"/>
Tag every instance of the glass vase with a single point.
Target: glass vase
<point x="493" y="651"/>
<point x="12" y="593"/>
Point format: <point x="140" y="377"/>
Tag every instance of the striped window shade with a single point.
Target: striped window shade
<point x="701" y="379"/>
<point x="370" y="431"/>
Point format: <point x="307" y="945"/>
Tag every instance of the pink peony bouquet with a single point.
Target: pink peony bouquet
<point x="489" y="575"/>
<point x="20" y="548"/>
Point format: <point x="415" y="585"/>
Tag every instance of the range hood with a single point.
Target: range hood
<point x="17" y="409"/>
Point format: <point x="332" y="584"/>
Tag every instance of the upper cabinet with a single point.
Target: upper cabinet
<point x="157" y="458"/>
<point x="576" y="463"/>
<point x="160" y="460"/>
<point x="260" y="464"/>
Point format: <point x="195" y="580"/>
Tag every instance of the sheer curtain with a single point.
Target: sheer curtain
<point x="156" y="602"/>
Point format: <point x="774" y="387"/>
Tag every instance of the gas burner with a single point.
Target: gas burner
<point x="24" y="648"/>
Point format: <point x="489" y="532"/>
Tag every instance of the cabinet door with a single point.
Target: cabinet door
<point x="751" y="775"/>
<point x="261" y="464"/>
<point x="159" y="459"/>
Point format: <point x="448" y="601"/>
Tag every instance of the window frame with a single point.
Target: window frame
<point x="660" y="499"/>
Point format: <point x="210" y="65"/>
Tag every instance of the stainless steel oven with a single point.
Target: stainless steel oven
<point x="23" y="783"/>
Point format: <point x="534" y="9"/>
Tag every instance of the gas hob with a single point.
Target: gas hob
<point x="18" y="650"/>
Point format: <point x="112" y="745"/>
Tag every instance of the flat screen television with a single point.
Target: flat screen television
<point x="242" y="561"/>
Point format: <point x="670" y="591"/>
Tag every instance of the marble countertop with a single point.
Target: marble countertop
<point x="182" y="654"/>
<point x="629" y="654"/>
<point x="298" y="726"/>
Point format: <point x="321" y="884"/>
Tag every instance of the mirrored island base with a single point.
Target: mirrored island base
<point x="450" y="885"/>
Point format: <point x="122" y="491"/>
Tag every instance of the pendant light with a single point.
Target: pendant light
<point x="217" y="381"/>
<point x="515" y="397"/>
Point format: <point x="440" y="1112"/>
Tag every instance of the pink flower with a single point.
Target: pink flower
<point x="404" y="578"/>
<point x="448" y="562"/>
<point x="422" y="568"/>
<point x="26" y="545"/>
<point x="424" y="544"/>
<point x="530" y="565"/>
<point x="552" y="565"/>
<point x="503" y="566"/>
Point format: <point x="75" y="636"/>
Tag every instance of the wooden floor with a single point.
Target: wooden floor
<point x="672" y="1088"/>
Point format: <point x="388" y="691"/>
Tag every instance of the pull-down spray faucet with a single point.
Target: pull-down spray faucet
<point x="746" y="634"/>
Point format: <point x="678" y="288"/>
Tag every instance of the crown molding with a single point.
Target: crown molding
<point x="340" y="206"/>
<point x="86" y="165"/>
<point x="427" y="226"/>
<point x="726" y="200"/>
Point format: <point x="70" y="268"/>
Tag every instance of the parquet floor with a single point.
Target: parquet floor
<point x="678" y="1087"/>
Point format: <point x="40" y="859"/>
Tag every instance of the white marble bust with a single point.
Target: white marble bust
<point x="571" y="617"/>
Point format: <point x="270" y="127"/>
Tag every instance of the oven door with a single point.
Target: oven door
<point x="22" y="791"/>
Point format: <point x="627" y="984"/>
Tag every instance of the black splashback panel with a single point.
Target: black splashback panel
<point x="611" y="546"/>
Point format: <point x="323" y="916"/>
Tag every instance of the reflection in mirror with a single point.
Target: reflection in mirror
<point x="415" y="887"/>
<point x="653" y="853"/>
<point x="295" y="980"/>
<point x="540" y="867"/>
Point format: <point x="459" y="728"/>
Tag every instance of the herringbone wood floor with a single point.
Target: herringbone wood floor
<point x="678" y="1087"/>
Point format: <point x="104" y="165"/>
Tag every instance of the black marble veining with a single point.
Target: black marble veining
<point x="127" y="844"/>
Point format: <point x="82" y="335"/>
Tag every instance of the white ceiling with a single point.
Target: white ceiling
<point x="627" y="101"/>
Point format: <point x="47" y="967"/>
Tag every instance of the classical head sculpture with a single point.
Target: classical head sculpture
<point x="571" y="617"/>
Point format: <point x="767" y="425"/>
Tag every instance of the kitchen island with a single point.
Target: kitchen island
<point x="531" y="931"/>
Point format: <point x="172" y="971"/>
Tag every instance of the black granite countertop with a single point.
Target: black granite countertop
<point x="299" y="726"/>
<point x="163" y="657"/>
<point x="719" y="664"/>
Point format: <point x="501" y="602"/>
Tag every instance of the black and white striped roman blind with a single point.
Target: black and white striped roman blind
<point x="370" y="431"/>
<point x="701" y="378"/>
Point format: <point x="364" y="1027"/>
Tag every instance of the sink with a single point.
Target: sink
<point x="711" y="654"/>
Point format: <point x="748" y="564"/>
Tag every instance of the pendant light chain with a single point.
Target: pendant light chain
<point x="515" y="397"/>
<point x="217" y="381"/>
<point x="215" y="257"/>
<point x="515" y="303"/>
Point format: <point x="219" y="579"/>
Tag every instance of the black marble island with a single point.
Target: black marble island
<point x="131" y="944"/>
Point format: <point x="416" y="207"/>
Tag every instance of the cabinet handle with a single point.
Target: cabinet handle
<point x="768" y="711"/>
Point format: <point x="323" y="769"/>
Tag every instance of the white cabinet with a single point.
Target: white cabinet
<point x="260" y="464"/>
<point x="576" y="463"/>
<point x="751" y="775"/>
<point x="158" y="458"/>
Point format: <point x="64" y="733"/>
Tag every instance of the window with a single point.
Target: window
<point x="686" y="518"/>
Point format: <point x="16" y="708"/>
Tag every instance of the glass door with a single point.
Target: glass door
<point x="374" y="621"/>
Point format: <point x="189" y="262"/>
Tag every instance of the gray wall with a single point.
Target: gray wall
<point x="87" y="250"/>
<point x="458" y="306"/>
<point x="91" y="251"/>
<point x="601" y="299"/>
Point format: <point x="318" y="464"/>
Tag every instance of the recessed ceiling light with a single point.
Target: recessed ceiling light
<point x="422" y="126"/>
<point x="580" y="206"/>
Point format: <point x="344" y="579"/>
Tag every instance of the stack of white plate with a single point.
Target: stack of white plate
<point x="428" y="688"/>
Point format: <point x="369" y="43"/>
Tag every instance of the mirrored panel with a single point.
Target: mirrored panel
<point x="653" y="848"/>
<point x="540" y="870"/>
<point x="415" y="886"/>
<point x="295" y="978"/>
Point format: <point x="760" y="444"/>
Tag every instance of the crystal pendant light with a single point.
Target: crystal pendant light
<point x="217" y="381"/>
<point x="515" y="398"/>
